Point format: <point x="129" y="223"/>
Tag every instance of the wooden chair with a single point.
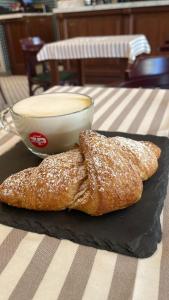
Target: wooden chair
<point x="164" y="48"/>
<point x="149" y="72"/>
<point x="38" y="73"/>
<point x="30" y="47"/>
<point x="148" y="82"/>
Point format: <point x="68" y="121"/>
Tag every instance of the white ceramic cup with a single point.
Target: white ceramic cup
<point x="54" y="125"/>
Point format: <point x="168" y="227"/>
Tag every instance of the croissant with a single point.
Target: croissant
<point x="100" y="175"/>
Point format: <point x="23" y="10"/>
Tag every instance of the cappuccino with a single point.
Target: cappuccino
<point x="51" y="105"/>
<point x="51" y="123"/>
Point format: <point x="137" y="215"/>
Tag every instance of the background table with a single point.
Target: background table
<point x="80" y="48"/>
<point x="38" y="267"/>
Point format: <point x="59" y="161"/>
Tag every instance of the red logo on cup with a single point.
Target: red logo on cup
<point x="38" y="139"/>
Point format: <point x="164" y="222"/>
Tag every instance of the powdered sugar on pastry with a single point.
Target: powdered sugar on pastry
<point x="140" y="154"/>
<point x="100" y="176"/>
<point x="112" y="181"/>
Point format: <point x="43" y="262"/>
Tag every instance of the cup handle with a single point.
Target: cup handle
<point x="4" y="123"/>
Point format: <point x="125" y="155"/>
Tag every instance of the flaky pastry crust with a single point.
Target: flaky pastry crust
<point x="100" y="176"/>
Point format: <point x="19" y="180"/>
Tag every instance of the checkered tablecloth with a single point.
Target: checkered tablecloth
<point x="120" y="46"/>
<point x="39" y="267"/>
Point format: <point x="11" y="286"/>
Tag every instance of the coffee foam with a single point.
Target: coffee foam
<point x="51" y="105"/>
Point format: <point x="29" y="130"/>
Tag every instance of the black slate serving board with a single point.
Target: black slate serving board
<point x="134" y="231"/>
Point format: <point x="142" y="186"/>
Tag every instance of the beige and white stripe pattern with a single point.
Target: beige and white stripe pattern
<point x="34" y="266"/>
<point x="122" y="46"/>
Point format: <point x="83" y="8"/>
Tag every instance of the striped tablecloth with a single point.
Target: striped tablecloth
<point x="119" y="46"/>
<point x="34" y="266"/>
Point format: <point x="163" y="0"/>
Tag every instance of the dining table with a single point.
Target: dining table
<point x="127" y="47"/>
<point x="39" y="266"/>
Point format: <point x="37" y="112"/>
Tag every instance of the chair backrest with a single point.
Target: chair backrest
<point x="37" y="72"/>
<point x="149" y="66"/>
<point x="164" y="48"/>
<point x="153" y="81"/>
<point x="30" y="47"/>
